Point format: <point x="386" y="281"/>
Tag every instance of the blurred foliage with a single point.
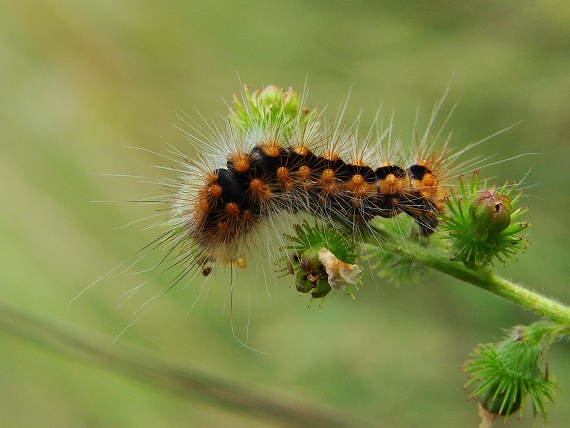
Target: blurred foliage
<point x="83" y="79"/>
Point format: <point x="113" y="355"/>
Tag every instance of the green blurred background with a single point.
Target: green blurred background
<point x="80" y="80"/>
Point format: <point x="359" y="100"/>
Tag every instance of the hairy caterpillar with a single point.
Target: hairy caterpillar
<point x="275" y="158"/>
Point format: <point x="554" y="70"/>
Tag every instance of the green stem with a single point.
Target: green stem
<point x="139" y="364"/>
<point x="482" y="278"/>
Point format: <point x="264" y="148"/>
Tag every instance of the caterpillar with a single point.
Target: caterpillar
<point x="275" y="158"/>
<point x="272" y="162"/>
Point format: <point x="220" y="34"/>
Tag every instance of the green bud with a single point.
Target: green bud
<point x="502" y="218"/>
<point x="291" y="100"/>
<point x="322" y="289"/>
<point x="482" y="207"/>
<point x="268" y="98"/>
<point x="310" y="272"/>
<point x="491" y="211"/>
<point x="270" y="107"/>
<point x="302" y="283"/>
<point x="309" y="263"/>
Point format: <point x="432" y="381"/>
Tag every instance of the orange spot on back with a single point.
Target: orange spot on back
<point x="357" y="179"/>
<point x="232" y="209"/>
<point x="259" y="189"/>
<point x="304" y="172"/>
<point x="240" y="161"/>
<point x="271" y="149"/>
<point x="358" y="187"/>
<point x="284" y="179"/>
<point x="301" y="149"/>
<point x="392" y="185"/>
<point x="283" y="173"/>
<point x="327" y="175"/>
<point x="210" y="178"/>
<point x="330" y="156"/>
<point x="358" y="162"/>
<point x="215" y="190"/>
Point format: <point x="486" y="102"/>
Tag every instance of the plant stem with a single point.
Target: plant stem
<point x="140" y="364"/>
<point x="482" y="278"/>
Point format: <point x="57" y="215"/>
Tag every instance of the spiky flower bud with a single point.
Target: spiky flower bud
<point x="480" y="223"/>
<point x="270" y="107"/>
<point x="322" y="260"/>
<point x="505" y="373"/>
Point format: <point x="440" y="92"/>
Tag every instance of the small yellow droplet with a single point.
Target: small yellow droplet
<point x="240" y="262"/>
